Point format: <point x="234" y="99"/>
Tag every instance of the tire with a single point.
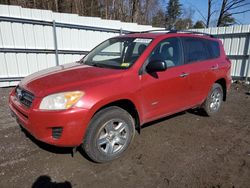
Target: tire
<point x="109" y="134"/>
<point x="214" y="100"/>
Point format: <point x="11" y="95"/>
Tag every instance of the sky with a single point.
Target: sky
<point x="201" y="5"/>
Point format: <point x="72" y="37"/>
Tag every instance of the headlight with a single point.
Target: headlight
<point x="60" y="101"/>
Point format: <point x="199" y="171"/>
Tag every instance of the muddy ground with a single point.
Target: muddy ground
<point x="185" y="150"/>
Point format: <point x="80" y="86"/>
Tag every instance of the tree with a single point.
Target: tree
<point x="139" y="11"/>
<point x="173" y="13"/>
<point x="135" y="6"/>
<point x="227" y="20"/>
<point x="159" y="19"/>
<point x="199" y="24"/>
<point x="230" y="8"/>
<point x="183" y="24"/>
<point x="149" y="8"/>
<point x="185" y="21"/>
<point x="210" y="12"/>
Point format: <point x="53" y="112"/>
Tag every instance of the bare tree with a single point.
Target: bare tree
<point x="230" y="8"/>
<point x="135" y="6"/>
<point x="209" y="12"/>
<point x="139" y="11"/>
<point x="159" y="19"/>
<point x="56" y="5"/>
<point x="149" y="8"/>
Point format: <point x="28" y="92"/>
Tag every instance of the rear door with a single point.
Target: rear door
<point x="164" y="93"/>
<point x="201" y="68"/>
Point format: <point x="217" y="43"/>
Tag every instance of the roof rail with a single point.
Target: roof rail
<point x="174" y="31"/>
<point x="148" y="31"/>
<point x="191" y="32"/>
<point x="156" y="30"/>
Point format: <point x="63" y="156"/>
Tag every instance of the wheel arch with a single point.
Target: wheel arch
<point x="222" y="82"/>
<point x="125" y="104"/>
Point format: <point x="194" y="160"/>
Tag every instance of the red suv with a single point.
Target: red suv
<point x="120" y="85"/>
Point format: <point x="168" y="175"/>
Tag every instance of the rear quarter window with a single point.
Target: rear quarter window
<point x="214" y="49"/>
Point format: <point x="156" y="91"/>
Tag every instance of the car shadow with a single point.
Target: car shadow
<point x="45" y="181"/>
<point x="83" y="153"/>
<point x="68" y="150"/>
<point x="198" y="112"/>
<point x="162" y="119"/>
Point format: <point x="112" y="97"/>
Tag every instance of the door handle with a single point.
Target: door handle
<point x="215" y="67"/>
<point x="183" y="75"/>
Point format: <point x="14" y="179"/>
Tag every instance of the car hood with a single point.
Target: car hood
<point x="67" y="77"/>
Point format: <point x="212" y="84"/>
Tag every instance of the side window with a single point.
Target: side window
<point x="195" y="50"/>
<point x="168" y="50"/>
<point x="139" y="48"/>
<point x="214" y="49"/>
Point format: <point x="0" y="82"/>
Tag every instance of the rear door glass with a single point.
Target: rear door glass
<point x="195" y="50"/>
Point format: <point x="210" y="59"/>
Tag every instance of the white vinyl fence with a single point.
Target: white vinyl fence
<point x="33" y="39"/>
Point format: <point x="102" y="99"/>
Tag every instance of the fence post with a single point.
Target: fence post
<point x="55" y="42"/>
<point x="248" y="68"/>
<point x="248" y="61"/>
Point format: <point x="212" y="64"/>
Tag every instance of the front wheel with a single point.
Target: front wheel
<point x="214" y="99"/>
<point x="109" y="134"/>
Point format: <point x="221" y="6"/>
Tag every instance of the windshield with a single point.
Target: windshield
<point x="118" y="53"/>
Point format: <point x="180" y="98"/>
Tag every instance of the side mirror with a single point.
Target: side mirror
<point x="156" y="66"/>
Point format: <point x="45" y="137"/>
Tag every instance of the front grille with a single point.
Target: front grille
<point x="57" y="132"/>
<point x="24" y="97"/>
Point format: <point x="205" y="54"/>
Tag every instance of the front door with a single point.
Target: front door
<point x="164" y="93"/>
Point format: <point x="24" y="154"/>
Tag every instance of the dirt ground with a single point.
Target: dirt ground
<point x="184" y="150"/>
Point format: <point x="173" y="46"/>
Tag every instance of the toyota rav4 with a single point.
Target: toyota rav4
<point x="126" y="81"/>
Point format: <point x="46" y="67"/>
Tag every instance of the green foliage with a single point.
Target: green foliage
<point x="173" y="12"/>
<point x="227" y="20"/>
<point x="199" y="24"/>
<point x="183" y="23"/>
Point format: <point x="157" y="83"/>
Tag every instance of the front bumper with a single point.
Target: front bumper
<point x="40" y="124"/>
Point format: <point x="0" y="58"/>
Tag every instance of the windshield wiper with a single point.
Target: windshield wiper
<point x="97" y="65"/>
<point x="94" y="64"/>
<point x="81" y="61"/>
<point x="101" y="65"/>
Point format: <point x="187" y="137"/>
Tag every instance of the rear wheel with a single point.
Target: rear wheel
<point x="109" y="134"/>
<point x="214" y="99"/>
